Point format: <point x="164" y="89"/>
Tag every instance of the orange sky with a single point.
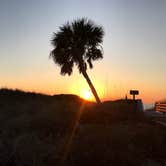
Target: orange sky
<point x="109" y="86"/>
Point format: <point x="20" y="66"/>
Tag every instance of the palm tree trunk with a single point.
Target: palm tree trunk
<point x="91" y="87"/>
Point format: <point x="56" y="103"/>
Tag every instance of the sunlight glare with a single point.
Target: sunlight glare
<point x="87" y="95"/>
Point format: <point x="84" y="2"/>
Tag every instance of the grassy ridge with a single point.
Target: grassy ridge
<point x="34" y="129"/>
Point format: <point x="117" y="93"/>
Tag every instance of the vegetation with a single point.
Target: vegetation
<point x="34" y="129"/>
<point x="78" y="43"/>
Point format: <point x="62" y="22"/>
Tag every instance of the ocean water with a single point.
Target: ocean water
<point x="148" y="105"/>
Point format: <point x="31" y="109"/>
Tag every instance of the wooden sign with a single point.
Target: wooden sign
<point x="134" y="92"/>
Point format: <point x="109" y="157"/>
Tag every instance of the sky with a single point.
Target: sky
<point x="134" y="47"/>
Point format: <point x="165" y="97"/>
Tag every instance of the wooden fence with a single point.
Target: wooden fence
<point x="161" y="107"/>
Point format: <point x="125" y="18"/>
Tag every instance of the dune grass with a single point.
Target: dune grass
<point x="34" y="129"/>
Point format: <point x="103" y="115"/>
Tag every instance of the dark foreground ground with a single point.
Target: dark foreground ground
<point x="40" y="130"/>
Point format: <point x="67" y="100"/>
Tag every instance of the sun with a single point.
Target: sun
<point x="87" y="95"/>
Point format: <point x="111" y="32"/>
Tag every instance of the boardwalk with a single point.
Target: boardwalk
<point x="160" y="107"/>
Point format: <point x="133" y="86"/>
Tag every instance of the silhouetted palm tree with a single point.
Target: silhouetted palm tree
<point x="78" y="43"/>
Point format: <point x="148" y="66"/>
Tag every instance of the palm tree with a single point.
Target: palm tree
<point x="78" y="43"/>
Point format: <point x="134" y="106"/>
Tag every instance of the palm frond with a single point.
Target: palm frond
<point x="77" y="42"/>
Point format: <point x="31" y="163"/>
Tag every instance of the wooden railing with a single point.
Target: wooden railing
<point x="161" y="107"/>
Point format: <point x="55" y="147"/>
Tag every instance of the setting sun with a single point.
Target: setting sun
<point x="87" y="95"/>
